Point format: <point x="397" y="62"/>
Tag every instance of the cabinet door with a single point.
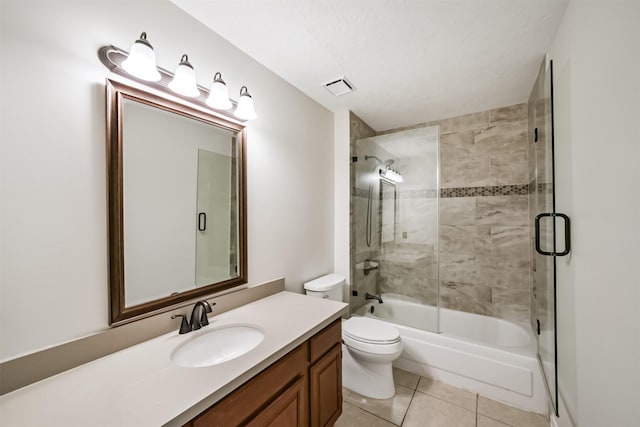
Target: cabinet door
<point x="288" y="410"/>
<point x="259" y="392"/>
<point x="326" y="389"/>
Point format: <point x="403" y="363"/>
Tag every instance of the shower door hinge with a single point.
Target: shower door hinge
<point x="354" y="159"/>
<point x="538" y="326"/>
<point x="535" y="135"/>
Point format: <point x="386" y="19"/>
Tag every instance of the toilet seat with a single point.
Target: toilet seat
<point x="371" y="336"/>
<point x="378" y="349"/>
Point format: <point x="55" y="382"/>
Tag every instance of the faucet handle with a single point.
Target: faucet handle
<point x="204" y="321"/>
<point x="184" y="325"/>
<point x="207" y="306"/>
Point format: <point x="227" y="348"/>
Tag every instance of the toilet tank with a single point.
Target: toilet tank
<point x="328" y="286"/>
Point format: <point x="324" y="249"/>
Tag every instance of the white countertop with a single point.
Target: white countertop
<point x="140" y="386"/>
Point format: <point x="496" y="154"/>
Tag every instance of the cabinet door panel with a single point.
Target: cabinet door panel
<point x="288" y="410"/>
<point x="326" y="389"/>
<point x="240" y="405"/>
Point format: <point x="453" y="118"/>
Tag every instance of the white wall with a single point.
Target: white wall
<point x="53" y="278"/>
<point x="596" y="56"/>
<point x="342" y="165"/>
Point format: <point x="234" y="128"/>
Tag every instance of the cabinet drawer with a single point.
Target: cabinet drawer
<point x="324" y="340"/>
<point x="245" y="402"/>
<point x="288" y="410"/>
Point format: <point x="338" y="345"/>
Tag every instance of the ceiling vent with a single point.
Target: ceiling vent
<point x="340" y="86"/>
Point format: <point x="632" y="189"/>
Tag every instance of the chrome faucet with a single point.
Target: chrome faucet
<point x="198" y="317"/>
<point x="369" y="296"/>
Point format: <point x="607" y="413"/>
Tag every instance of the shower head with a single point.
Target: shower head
<point x="380" y="162"/>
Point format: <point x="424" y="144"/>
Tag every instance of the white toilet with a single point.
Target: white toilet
<point x="370" y="346"/>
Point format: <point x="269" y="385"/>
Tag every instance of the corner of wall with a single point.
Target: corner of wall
<point x="341" y="190"/>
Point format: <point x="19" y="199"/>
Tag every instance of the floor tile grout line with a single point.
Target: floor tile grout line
<point x="451" y="403"/>
<point x="477" y="398"/>
<point x="408" y="407"/>
<point x="495" y="419"/>
<point x="375" y="415"/>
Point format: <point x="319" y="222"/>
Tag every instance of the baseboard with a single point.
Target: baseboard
<point x="564" y="418"/>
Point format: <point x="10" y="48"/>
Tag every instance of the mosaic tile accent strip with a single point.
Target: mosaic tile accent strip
<point x="545" y="188"/>
<point x="541" y="188"/>
<point x="494" y="190"/>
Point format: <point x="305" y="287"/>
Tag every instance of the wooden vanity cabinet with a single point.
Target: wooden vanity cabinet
<point x="325" y="376"/>
<point x="303" y="388"/>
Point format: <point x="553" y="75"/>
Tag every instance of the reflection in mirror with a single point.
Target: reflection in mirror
<point x="387" y="211"/>
<point x="177" y="221"/>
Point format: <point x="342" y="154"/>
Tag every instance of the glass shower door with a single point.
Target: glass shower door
<point x="547" y="226"/>
<point x="395" y="227"/>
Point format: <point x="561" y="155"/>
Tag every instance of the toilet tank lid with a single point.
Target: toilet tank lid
<point x="325" y="283"/>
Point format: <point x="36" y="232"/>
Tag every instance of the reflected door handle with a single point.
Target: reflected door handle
<point x="567" y="234"/>
<point x="202" y="221"/>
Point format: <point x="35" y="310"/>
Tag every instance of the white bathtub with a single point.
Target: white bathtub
<point x="489" y="356"/>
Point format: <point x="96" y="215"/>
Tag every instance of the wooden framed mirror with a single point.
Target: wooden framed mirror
<point x="176" y="202"/>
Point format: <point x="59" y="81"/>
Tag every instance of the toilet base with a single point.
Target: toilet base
<point x="370" y="379"/>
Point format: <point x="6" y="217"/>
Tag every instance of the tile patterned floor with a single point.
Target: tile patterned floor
<point x="423" y="402"/>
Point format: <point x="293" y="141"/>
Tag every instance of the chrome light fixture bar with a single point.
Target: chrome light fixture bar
<point x="182" y="83"/>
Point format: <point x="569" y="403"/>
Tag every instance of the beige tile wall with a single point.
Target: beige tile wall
<point x="484" y="240"/>
<point x="358" y="250"/>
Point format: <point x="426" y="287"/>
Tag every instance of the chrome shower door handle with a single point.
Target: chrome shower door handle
<point x="567" y="234"/>
<point x="202" y="221"/>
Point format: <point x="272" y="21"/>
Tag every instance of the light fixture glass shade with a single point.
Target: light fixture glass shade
<point x="219" y="95"/>
<point x="244" y="109"/>
<point x="141" y="62"/>
<point x="184" y="79"/>
<point x="391" y="175"/>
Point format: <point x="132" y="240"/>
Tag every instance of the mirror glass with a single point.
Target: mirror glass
<point x="176" y="202"/>
<point x="387" y="212"/>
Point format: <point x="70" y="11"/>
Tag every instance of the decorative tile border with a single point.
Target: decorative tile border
<point x="495" y="190"/>
<point x="541" y="188"/>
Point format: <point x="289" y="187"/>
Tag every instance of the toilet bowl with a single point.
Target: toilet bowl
<point x="370" y="346"/>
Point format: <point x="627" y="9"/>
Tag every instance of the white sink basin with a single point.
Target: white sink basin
<point x="217" y="346"/>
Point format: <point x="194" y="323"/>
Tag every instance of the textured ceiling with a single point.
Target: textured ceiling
<point x="410" y="61"/>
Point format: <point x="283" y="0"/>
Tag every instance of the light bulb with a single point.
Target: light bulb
<point x="141" y="62"/>
<point x="244" y="109"/>
<point x="184" y="79"/>
<point x="219" y="95"/>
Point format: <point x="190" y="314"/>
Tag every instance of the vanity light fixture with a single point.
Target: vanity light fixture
<point x="245" y="110"/>
<point x="141" y="62"/>
<point x="390" y="174"/>
<point x="184" y="79"/>
<point x="219" y="94"/>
